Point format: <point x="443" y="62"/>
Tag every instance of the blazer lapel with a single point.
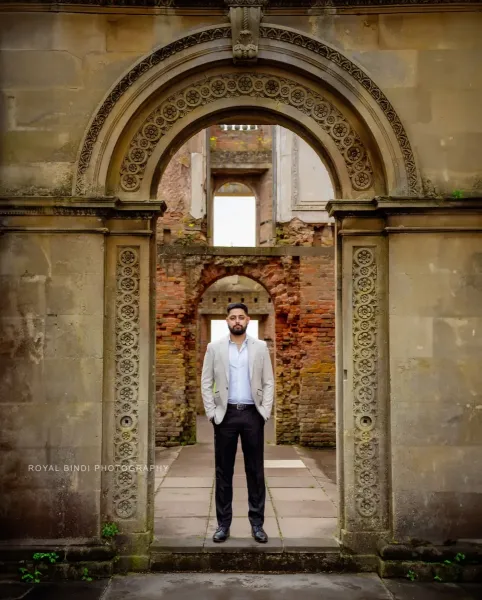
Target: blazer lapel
<point x="251" y="354"/>
<point x="225" y="356"/>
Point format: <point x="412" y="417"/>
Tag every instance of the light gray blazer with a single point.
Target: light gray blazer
<point x="216" y="373"/>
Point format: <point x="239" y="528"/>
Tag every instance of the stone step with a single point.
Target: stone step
<point x="246" y="555"/>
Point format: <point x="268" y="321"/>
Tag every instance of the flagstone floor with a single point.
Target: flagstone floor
<point x="301" y="506"/>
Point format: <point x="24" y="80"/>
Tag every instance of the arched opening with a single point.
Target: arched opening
<point x="332" y="105"/>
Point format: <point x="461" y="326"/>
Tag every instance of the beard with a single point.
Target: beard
<point x="237" y="329"/>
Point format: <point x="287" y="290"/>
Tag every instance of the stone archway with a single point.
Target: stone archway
<point x="318" y="91"/>
<point x="328" y="100"/>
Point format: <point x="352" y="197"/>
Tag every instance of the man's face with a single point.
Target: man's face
<point x="237" y="321"/>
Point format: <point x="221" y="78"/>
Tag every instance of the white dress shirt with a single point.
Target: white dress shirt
<point x="239" y="383"/>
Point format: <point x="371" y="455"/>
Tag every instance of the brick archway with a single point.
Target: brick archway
<point x="304" y="326"/>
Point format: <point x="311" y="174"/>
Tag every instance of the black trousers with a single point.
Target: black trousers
<point x="248" y="424"/>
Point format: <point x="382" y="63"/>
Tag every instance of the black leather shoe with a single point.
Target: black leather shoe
<point x="221" y="534"/>
<point x="259" y="534"/>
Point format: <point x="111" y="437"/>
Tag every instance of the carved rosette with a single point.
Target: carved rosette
<point x="233" y="85"/>
<point x="126" y="433"/>
<point x="365" y="387"/>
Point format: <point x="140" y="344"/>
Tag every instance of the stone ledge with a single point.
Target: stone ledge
<point x="175" y="250"/>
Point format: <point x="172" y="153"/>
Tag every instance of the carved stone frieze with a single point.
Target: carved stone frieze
<point x="126" y="82"/>
<point x="367" y="461"/>
<point x="126" y="434"/>
<point x="362" y="78"/>
<point x="233" y="85"/>
<point x="221" y="32"/>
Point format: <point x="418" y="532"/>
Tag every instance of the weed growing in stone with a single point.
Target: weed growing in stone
<point x="32" y="574"/>
<point x="110" y="530"/>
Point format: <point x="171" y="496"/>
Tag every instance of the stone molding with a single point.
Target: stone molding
<point x="106" y="208"/>
<point x="272" y="4"/>
<point x="367" y="461"/>
<point x="223" y="32"/>
<point x="126" y="382"/>
<point x="233" y="85"/>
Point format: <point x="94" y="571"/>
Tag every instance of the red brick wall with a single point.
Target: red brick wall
<point x="303" y="295"/>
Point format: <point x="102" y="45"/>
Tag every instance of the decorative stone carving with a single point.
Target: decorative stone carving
<point x="363" y="79"/>
<point x="274" y="33"/>
<point x="126" y="442"/>
<point x="245" y="17"/>
<point x="125" y="83"/>
<point x="365" y="387"/>
<point x="233" y="85"/>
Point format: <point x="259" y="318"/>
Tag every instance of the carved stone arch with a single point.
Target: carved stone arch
<point x="308" y="70"/>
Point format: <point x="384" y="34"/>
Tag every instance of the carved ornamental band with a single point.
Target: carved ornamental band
<point x="126" y="443"/>
<point x="224" y="32"/>
<point x="278" y="89"/>
<point x="365" y="388"/>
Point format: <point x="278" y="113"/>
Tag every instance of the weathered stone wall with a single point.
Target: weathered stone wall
<point x="304" y="343"/>
<point x="57" y="67"/>
<point x="435" y="316"/>
<point x="51" y="380"/>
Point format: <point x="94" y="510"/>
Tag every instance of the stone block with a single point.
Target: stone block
<point x="457" y="111"/>
<point x="450" y="69"/>
<point x="59" y="426"/>
<point x="49" y="514"/>
<point x="40" y="145"/>
<point x="460" y="337"/>
<point x="24" y="256"/>
<point x="75" y="294"/>
<point x="84" y="380"/>
<point x="457" y="423"/>
<point x="40" y="69"/>
<point x="412" y="31"/>
<point x="437" y="516"/>
<point x="74" y="336"/>
<point x="80" y="33"/>
<point x="390" y="68"/>
<point x="445" y="380"/>
<point x="442" y="468"/>
<point x="125" y="34"/>
<point x="31" y="31"/>
<point x="356" y="32"/>
<point x="102" y="70"/>
<point x="77" y="254"/>
<point x="413" y="337"/>
<point x="54" y="178"/>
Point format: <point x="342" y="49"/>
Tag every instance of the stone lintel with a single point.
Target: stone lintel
<point x="107" y="215"/>
<point x="390" y="215"/>
<point x="257" y="252"/>
<point x="384" y="205"/>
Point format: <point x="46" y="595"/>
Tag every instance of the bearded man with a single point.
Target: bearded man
<point x="237" y="387"/>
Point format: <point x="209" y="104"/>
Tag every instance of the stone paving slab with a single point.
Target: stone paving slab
<point x="301" y="508"/>
<point x="223" y="586"/>
<point x="256" y="587"/>
<point x="181" y="527"/>
<point x="241" y="528"/>
<point x="307" y="527"/>
<point x="187" y="482"/>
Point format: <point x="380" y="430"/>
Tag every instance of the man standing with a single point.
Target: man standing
<point x="239" y="366"/>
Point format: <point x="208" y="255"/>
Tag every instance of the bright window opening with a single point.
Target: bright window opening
<point x="234" y="221"/>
